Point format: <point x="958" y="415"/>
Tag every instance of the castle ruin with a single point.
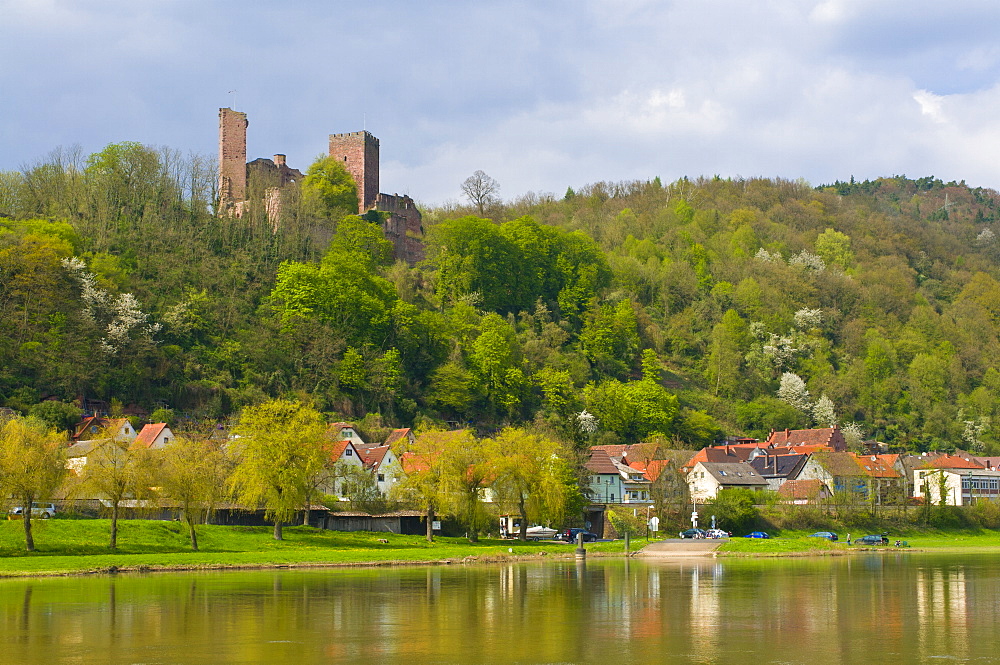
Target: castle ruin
<point x="358" y="151"/>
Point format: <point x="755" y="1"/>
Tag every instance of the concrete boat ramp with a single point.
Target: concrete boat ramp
<point x="681" y="548"/>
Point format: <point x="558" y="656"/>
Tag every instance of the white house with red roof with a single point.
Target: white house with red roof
<point x="401" y="438"/>
<point x="93" y="427"/>
<point x="342" y="454"/>
<point x="154" y="436"/>
<point x="962" y="481"/>
<point x="384" y="464"/>
<point x="345" y="432"/>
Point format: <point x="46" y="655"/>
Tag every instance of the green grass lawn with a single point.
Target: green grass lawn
<point x="67" y="546"/>
<point x="930" y="539"/>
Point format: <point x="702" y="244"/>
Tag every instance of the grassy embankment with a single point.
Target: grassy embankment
<point x="77" y="546"/>
<point x="968" y="540"/>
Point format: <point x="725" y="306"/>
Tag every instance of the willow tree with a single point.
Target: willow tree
<point x="280" y="443"/>
<point x="529" y="476"/>
<point x="191" y="471"/>
<point x="115" y="472"/>
<point x="31" y="465"/>
<point x="423" y="483"/>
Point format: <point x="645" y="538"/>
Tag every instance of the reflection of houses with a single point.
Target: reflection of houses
<point x="707" y="479"/>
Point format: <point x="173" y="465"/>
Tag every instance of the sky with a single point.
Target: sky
<point x="540" y="95"/>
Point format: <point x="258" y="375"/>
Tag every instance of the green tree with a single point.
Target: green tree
<point x="191" y="471"/>
<point x="529" y="474"/>
<point x="424" y="469"/>
<point x="280" y="444"/>
<point x="726" y="352"/>
<point x="116" y="471"/>
<point x="328" y="190"/>
<point x="834" y="248"/>
<point x="31" y="465"/>
<point x="634" y="410"/>
<point x="56" y="414"/>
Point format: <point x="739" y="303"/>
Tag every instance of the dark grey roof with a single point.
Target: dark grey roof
<point x="734" y="473"/>
<point x="779" y="466"/>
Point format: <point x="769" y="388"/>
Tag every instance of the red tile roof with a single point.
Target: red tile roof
<point x="877" y="466"/>
<point x="147" y="437"/>
<point x="372" y="457"/>
<point x="414" y="463"/>
<point x="826" y="436"/>
<point x="651" y="469"/>
<point x="952" y="462"/>
<point x="600" y="463"/>
<point x="801" y="489"/>
<point x="397" y="435"/>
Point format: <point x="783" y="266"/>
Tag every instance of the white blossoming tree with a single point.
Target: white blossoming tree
<point x="793" y="391"/>
<point x="824" y="412"/>
<point x="119" y="318"/>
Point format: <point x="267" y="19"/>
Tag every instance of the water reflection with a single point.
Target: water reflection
<point x="846" y="610"/>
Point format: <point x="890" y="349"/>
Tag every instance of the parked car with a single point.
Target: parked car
<point x="42" y="510"/>
<point x="756" y="534"/>
<point x="829" y="535"/>
<point x="569" y="535"/>
<point x="540" y="533"/>
<point x="872" y="540"/>
<point x="717" y="533"/>
<point x="692" y="533"/>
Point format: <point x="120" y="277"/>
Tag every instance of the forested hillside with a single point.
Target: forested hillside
<point x="690" y="311"/>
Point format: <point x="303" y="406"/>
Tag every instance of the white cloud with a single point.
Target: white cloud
<point x="540" y="96"/>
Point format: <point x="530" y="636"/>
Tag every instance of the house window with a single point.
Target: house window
<point x="166" y="440"/>
<point x="349" y="452"/>
<point x="612" y="498"/>
<point x="381" y="477"/>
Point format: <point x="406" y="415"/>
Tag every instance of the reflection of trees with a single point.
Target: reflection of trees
<point x="601" y="611"/>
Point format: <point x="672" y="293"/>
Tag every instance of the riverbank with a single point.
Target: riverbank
<point x="79" y="547"/>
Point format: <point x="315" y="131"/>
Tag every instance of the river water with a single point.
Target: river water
<point x="897" y="608"/>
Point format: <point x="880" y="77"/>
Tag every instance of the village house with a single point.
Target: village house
<point x="154" y="436"/>
<point x="961" y="481"/>
<point x="802" y="492"/>
<point x="826" y="437"/>
<point x="344" y="456"/>
<point x="707" y="479"/>
<point x="383" y="463"/>
<point x="777" y="469"/>
<point x="606" y="484"/>
<point x="92" y="427"/>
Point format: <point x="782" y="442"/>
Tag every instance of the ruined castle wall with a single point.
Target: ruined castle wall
<point x="404" y="228"/>
<point x="358" y="151"/>
<point x="232" y="157"/>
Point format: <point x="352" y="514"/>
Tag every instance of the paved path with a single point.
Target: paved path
<point x="681" y="547"/>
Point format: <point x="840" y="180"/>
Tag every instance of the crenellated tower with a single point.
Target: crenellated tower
<point x="358" y="151"/>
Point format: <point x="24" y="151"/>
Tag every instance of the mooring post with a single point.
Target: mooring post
<point x="581" y="553"/>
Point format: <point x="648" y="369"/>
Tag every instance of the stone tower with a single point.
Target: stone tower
<point x="232" y="157"/>
<point x="358" y="151"/>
